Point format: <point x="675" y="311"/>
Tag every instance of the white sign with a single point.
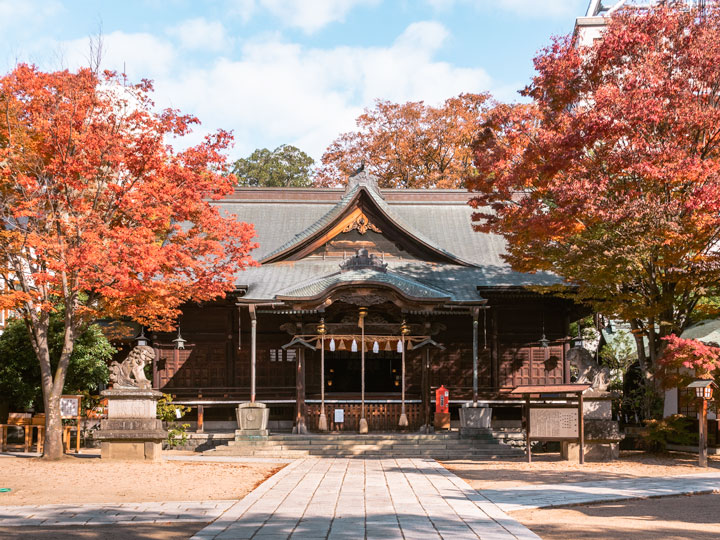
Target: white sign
<point x="69" y="407"/>
<point x="339" y="416"/>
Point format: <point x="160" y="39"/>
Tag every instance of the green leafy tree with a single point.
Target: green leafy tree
<point x="20" y="380"/>
<point x="286" y="166"/>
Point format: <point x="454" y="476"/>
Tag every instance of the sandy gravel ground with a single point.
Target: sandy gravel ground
<point x="669" y="518"/>
<point x="174" y="531"/>
<point x="92" y="480"/>
<point x="550" y="469"/>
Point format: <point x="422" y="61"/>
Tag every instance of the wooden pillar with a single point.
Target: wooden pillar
<point x="475" y="323"/>
<point x="566" y="348"/>
<point x="253" y="350"/>
<point x="527" y="428"/>
<point x="581" y="428"/>
<point x="495" y="351"/>
<point x="426" y="388"/>
<point x="702" y="442"/>
<point x="201" y="419"/>
<point x="300" y="426"/>
<point x="156" y="375"/>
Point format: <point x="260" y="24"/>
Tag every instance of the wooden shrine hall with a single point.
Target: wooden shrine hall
<point x="365" y="302"/>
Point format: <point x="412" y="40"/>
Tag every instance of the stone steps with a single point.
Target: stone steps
<point x="489" y="445"/>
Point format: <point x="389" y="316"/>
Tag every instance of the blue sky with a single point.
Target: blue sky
<point x="292" y="71"/>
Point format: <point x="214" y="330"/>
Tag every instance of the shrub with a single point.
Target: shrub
<point x="170" y="413"/>
<point x="675" y="429"/>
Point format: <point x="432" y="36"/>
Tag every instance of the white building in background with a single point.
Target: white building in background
<point x="590" y="26"/>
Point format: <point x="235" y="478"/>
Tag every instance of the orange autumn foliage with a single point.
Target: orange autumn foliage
<point x="100" y="215"/>
<point x="610" y="176"/>
<point x="409" y="145"/>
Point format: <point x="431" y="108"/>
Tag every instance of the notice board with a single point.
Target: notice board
<point x="554" y="423"/>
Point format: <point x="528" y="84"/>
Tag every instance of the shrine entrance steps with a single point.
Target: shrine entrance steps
<point x="489" y="445"/>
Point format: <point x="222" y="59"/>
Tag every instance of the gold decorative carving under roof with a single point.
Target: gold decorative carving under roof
<point x="362" y="225"/>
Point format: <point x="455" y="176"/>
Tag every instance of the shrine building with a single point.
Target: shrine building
<point x="362" y="293"/>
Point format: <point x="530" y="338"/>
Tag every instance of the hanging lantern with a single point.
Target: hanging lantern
<point x="332" y="344"/>
<point x="179" y="341"/>
<point x="353" y="347"/>
<point x="341" y="346"/>
<point x="376" y="347"/>
<point x="399" y="346"/>
<point x="388" y="346"/>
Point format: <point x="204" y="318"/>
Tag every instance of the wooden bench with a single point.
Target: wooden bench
<point x="29" y="425"/>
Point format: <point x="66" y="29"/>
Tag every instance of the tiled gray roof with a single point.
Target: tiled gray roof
<point x="459" y="282"/>
<point x="407" y="286"/>
<point x="341" y="206"/>
<point x="446" y="227"/>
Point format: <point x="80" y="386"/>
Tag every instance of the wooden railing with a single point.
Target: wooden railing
<point x="380" y="416"/>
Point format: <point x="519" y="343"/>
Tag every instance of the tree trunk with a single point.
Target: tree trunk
<point x="645" y="368"/>
<point x="52" y="386"/>
<point x="53" y="425"/>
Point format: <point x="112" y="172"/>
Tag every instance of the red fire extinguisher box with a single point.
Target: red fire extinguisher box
<point x="442" y="408"/>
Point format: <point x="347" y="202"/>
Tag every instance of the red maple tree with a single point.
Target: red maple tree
<point x="101" y="216"/>
<point x="408" y="145"/>
<point x="686" y="359"/>
<point x="610" y="176"/>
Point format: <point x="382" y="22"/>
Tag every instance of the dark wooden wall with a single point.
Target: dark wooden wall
<point x="217" y="354"/>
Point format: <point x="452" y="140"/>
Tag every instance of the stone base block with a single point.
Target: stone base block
<point x="251" y="434"/>
<point x="131" y="424"/>
<point x="131" y="450"/>
<point x="252" y="417"/>
<point x="475" y="417"/>
<point x="608" y="451"/>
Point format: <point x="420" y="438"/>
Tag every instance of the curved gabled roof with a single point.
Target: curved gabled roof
<point x="407" y="287"/>
<point x="362" y="185"/>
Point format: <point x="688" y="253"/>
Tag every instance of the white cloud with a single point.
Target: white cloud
<point x="22" y="12"/>
<point x="307" y="15"/>
<point x="200" y="34"/>
<point x="278" y="92"/>
<point x="141" y="55"/>
<point x="526" y="8"/>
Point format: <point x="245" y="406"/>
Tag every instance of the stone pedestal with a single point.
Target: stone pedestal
<point x="252" y="419"/>
<point x="132" y="429"/>
<point x="474" y="420"/>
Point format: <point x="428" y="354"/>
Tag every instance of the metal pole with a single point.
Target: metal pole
<point x="702" y="450"/>
<point x="403" y="417"/>
<point x="475" y="357"/>
<point x="322" y="421"/>
<point x="363" y="422"/>
<point x="253" y="359"/>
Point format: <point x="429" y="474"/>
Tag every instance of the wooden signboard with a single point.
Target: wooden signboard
<point x="554" y="423"/>
<point x="70" y="406"/>
<point x="70" y="410"/>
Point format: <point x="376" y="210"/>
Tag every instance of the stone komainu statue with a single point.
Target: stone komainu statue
<point x="131" y="372"/>
<point x="588" y="370"/>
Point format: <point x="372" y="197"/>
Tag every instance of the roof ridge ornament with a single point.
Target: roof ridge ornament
<point x="362" y="177"/>
<point x="363" y="259"/>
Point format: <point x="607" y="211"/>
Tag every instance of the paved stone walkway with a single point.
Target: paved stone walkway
<point x="550" y="495"/>
<point x="356" y="498"/>
<point x="333" y="499"/>
<point x="111" y="513"/>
